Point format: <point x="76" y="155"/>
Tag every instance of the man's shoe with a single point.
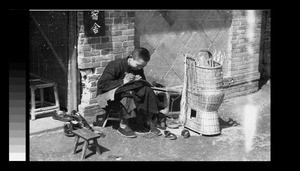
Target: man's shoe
<point x="162" y="126"/>
<point x="151" y="120"/>
<point x="61" y="117"/>
<point x="142" y="131"/>
<point x="154" y="130"/>
<point x="126" y="132"/>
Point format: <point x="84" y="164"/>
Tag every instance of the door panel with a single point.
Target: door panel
<point x="49" y="50"/>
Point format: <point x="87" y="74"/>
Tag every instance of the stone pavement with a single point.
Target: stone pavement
<point x="229" y="146"/>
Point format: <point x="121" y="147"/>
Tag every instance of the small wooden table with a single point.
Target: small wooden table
<point x="87" y="135"/>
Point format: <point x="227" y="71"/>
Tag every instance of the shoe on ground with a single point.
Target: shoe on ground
<point x="141" y="130"/>
<point x="154" y="130"/>
<point x="162" y="126"/>
<point x="126" y="132"/>
<point x="170" y="135"/>
<point x="173" y="124"/>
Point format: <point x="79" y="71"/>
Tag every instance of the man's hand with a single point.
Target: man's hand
<point x="137" y="77"/>
<point x="128" y="77"/>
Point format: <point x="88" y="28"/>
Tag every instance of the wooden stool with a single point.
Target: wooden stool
<point x="108" y="117"/>
<point x="46" y="107"/>
<point x="167" y="92"/>
<point x="87" y="135"/>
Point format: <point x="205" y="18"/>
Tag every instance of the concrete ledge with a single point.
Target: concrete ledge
<point x="56" y="129"/>
<point x="48" y="124"/>
<point x="42" y="125"/>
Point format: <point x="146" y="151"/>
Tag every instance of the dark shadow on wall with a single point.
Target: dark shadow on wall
<point x="182" y="23"/>
<point x="180" y="20"/>
<point x="264" y="51"/>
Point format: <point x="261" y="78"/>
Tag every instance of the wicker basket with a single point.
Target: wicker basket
<point x="204" y="96"/>
<point x="206" y="123"/>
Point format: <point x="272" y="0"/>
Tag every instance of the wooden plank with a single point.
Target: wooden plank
<point x="41" y="78"/>
<point x="32" y="104"/>
<point x="34" y="80"/>
<point x="45" y="109"/>
<point x="37" y="103"/>
<point x="72" y="67"/>
<point x="43" y="85"/>
<point x="86" y="134"/>
<point x="49" y="44"/>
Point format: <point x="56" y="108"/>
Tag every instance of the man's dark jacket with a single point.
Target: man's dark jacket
<point x="114" y="74"/>
<point x="143" y="96"/>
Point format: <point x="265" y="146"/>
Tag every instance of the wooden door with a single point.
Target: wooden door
<point x="170" y="34"/>
<point x="50" y="50"/>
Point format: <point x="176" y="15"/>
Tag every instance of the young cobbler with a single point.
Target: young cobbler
<point x="136" y="98"/>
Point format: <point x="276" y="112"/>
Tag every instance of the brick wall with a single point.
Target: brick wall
<point x="118" y="42"/>
<point x="95" y="52"/>
<point x="243" y="54"/>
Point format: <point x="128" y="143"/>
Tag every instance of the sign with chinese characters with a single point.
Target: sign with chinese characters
<point x="94" y="23"/>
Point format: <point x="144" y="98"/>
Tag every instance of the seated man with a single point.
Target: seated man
<point x="124" y="81"/>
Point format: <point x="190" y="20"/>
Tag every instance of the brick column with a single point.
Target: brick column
<point x="243" y="51"/>
<point x="94" y="53"/>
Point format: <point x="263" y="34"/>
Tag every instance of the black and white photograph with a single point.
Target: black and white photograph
<point x="149" y="85"/>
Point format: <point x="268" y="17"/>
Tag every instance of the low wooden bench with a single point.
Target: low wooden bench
<point x="42" y="106"/>
<point x="87" y="135"/>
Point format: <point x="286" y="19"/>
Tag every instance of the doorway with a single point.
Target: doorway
<point x="53" y="53"/>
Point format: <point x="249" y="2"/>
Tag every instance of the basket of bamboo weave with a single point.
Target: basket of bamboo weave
<point x="204" y="94"/>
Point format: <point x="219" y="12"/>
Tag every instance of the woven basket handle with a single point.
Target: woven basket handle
<point x="209" y="54"/>
<point x="210" y="60"/>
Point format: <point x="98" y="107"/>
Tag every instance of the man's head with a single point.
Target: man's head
<point x="139" y="58"/>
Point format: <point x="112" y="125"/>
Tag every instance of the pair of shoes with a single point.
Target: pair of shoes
<point x="172" y="124"/>
<point x="61" y="116"/>
<point x="126" y="132"/>
<point x="170" y="135"/>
